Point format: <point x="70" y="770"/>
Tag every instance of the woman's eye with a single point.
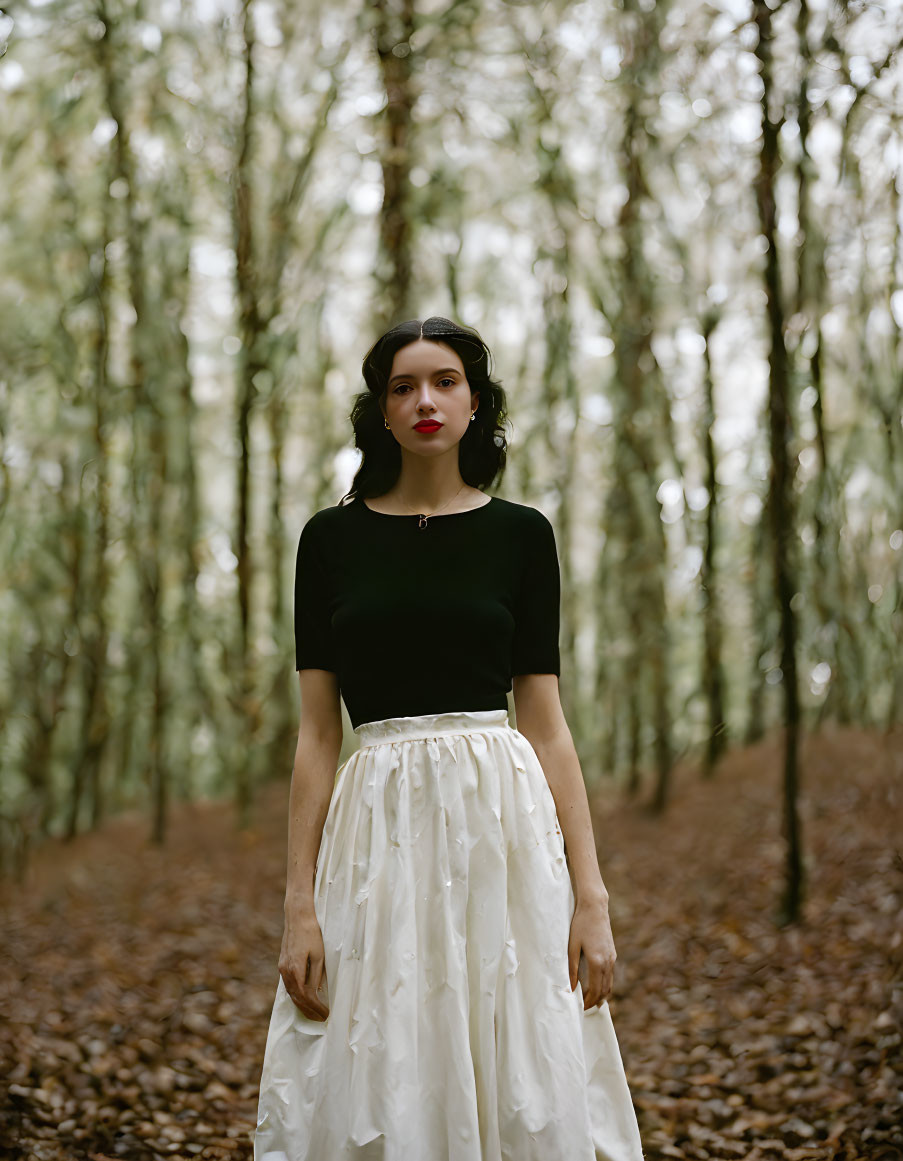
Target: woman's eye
<point x="404" y="385"/>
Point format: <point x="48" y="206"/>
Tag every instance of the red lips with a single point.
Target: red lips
<point x="427" y="425"/>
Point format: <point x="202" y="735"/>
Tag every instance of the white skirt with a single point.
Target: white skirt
<point x="445" y="902"/>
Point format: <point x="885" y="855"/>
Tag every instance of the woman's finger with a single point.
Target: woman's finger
<point x="312" y="1006"/>
<point x="608" y="972"/>
<point x="302" y="990"/>
<point x="574" y="950"/>
<point x="606" y="978"/>
<point x="593" y="991"/>
<point x="304" y="997"/>
<point x="583" y="972"/>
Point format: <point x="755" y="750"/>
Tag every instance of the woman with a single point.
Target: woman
<point x="436" y="932"/>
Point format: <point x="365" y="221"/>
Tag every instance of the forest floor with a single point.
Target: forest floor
<point x="136" y="983"/>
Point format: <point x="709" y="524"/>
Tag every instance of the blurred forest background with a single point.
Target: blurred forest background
<point x="678" y="227"/>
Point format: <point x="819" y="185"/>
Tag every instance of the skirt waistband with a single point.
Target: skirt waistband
<point x="431" y="726"/>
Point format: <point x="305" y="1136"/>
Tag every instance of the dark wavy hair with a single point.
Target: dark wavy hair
<point x="483" y="448"/>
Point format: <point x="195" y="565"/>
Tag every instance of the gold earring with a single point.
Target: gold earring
<point x="473" y="416"/>
<point x="386" y="422"/>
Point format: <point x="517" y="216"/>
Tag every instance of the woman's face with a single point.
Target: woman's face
<point x="427" y="385"/>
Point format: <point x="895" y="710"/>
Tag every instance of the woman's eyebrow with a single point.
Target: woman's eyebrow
<point x="443" y="371"/>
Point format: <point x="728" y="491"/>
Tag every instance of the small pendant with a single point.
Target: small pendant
<point x="421" y="523"/>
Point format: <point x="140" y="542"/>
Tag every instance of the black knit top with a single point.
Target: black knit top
<point x="426" y="620"/>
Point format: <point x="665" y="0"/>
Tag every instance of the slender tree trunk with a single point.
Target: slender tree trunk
<point x="780" y="500"/>
<point x="894" y="435"/>
<point x="248" y="288"/>
<point x="713" y="667"/>
<point x="96" y="718"/>
<point x="393" y="29"/>
<point x="826" y="550"/>
<point x="760" y="632"/>
<point x="640" y="523"/>
<point x="634" y="750"/>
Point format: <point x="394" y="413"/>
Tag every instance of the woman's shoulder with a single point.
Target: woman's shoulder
<point x="523" y="515"/>
<point x="326" y="521"/>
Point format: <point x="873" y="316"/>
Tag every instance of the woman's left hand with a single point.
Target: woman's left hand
<point x="591" y="934"/>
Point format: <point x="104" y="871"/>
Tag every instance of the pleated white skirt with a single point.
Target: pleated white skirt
<point x="444" y="899"/>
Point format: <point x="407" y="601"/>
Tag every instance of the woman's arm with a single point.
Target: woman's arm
<point x="540" y="719"/>
<point x="313" y="779"/>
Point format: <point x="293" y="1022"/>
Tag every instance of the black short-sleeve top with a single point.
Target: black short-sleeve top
<point x="427" y="620"/>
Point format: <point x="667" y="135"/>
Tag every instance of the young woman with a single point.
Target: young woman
<point x="447" y="954"/>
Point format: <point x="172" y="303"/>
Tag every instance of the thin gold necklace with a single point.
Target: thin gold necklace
<point x="421" y="523"/>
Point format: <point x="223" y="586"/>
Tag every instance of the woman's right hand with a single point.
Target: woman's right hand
<point x="302" y="961"/>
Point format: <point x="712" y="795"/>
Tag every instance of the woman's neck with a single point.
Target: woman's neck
<point x="404" y="498"/>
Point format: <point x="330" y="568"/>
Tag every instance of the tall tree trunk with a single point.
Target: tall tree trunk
<point x="760" y="596"/>
<point x="638" y="514"/>
<point x="95" y="724"/>
<point x="393" y="29"/>
<point x="894" y="435"/>
<point x="713" y="666"/>
<point x="250" y="324"/>
<point x="780" y="499"/>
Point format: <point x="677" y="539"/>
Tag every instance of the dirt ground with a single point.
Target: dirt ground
<point x="136" y="983"/>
